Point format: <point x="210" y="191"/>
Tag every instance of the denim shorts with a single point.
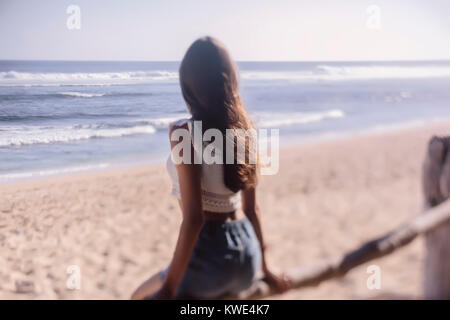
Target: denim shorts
<point x="226" y="260"/>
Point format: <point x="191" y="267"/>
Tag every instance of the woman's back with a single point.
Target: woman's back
<point x="216" y="196"/>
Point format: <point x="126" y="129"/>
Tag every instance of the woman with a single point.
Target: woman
<point x="220" y="248"/>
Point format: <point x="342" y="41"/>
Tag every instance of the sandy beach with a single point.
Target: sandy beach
<point x="120" y="226"/>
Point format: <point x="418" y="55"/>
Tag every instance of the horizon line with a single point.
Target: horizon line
<point x="238" y="61"/>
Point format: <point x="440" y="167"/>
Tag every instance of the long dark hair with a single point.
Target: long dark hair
<point x="209" y="83"/>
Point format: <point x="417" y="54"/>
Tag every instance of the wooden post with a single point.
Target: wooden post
<point x="436" y="188"/>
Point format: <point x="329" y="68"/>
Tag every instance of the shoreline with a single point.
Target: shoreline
<point x="290" y="142"/>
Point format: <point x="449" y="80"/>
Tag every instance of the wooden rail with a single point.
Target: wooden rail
<point x="373" y="249"/>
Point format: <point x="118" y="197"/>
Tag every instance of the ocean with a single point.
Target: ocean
<point x="60" y="117"/>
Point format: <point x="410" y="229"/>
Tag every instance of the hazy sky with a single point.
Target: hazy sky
<point x="251" y="29"/>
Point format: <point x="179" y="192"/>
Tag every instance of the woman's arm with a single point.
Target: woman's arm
<point x="251" y="210"/>
<point x="191" y="205"/>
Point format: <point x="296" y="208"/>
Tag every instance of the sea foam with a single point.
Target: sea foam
<point x="28" y="135"/>
<point x="274" y="119"/>
<point x="322" y="72"/>
<point x="81" y="94"/>
<point x="10" y="78"/>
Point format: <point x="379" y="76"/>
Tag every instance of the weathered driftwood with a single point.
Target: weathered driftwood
<point x="436" y="188"/>
<point x="338" y="267"/>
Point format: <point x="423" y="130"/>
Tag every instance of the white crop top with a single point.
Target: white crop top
<point x="216" y="197"/>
